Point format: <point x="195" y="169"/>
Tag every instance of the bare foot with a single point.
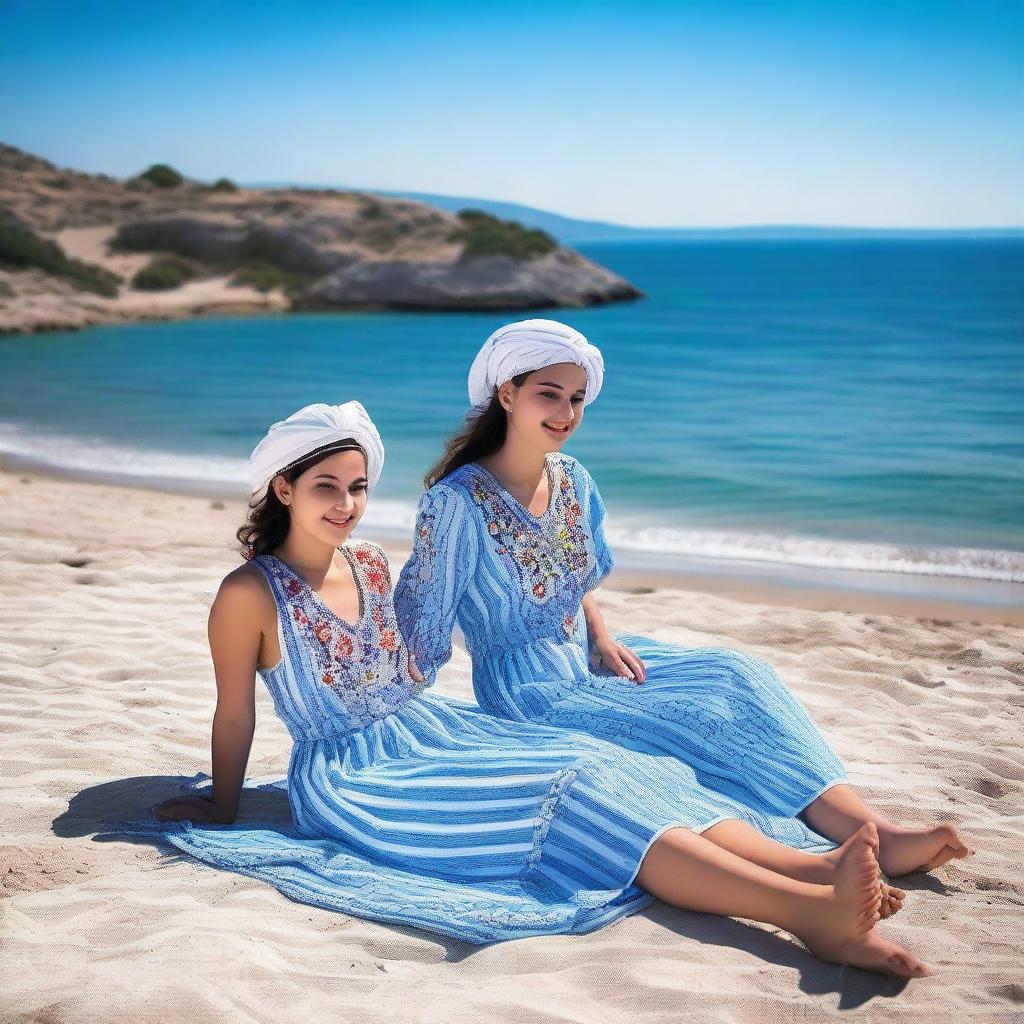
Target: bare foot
<point x="918" y="849"/>
<point x="846" y="933"/>
<point x="892" y="898"/>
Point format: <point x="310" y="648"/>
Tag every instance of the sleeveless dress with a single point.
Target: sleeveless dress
<point x="514" y="581"/>
<point x="412" y="808"/>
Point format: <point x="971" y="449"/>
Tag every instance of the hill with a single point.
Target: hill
<point x="77" y="249"/>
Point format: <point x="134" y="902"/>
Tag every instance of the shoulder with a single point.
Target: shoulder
<point x="457" y="480"/>
<point x="244" y="593"/>
<point x="574" y="470"/>
<point x="367" y="553"/>
<point x="372" y="557"/>
<point x="568" y="462"/>
<point x="368" y="547"/>
<point x="449" y="495"/>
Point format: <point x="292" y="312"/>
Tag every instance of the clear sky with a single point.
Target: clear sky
<point x="885" y="114"/>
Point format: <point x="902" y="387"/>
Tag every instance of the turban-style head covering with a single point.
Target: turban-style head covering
<point x="313" y="427"/>
<point x="530" y="345"/>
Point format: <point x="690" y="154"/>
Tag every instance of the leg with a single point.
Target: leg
<point x="839" y="812"/>
<point x="835" y="921"/>
<point x="745" y="841"/>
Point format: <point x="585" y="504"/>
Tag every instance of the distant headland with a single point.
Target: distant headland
<point x="79" y="249"/>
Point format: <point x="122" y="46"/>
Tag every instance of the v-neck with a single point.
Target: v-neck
<point x="552" y="489"/>
<point x="318" y="600"/>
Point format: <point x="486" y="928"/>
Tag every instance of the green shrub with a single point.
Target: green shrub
<point x="382" y="238"/>
<point x="265" y="277"/>
<point x="6" y="291"/>
<point x="163" y="273"/>
<point x="61" y="183"/>
<point x="370" y="208"/>
<point x="162" y="175"/>
<point x="21" y="248"/>
<point x="224" y="185"/>
<point x="484" y="235"/>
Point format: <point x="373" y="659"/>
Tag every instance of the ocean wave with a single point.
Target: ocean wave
<point x="820" y="552"/>
<point x="101" y="459"/>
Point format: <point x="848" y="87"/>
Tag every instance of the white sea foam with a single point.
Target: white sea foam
<point x="95" y="457"/>
<point x="101" y="459"/>
<point x="820" y="552"/>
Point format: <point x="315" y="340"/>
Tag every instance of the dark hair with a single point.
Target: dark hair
<point x="269" y="521"/>
<point x="482" y="436"/>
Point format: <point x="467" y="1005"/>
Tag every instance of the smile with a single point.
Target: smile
<point x="557" y="430"/>
<point x="341" y="524"/>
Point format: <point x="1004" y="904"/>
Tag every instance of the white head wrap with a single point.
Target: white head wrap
<point x="530" y="345"/>
<point x="310" y="428"/>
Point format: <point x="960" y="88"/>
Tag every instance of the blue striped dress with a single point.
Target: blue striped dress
<point x="412" y="808"/>
<point x="514" y="581"/>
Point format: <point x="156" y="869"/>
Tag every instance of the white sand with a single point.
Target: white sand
<point x="107" y="696"/>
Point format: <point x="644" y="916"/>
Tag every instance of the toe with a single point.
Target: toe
<point x="902" y="964"/>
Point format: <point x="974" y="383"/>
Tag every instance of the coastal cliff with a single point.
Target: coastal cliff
<point x="79" y="249"/>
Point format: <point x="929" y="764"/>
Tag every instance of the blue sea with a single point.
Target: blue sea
<point x="832" y="406"/>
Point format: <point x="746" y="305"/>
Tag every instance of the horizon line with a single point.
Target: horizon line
<point x="631" y="227"/>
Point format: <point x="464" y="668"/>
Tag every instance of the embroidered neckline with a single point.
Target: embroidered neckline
<point x="319" y="601"/>
<point x="361" y="662"/>
<point x="554" y="489"/>
<point x="544" y="549"/>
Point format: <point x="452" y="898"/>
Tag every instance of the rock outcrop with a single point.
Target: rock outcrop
<point x="260" y="249"/>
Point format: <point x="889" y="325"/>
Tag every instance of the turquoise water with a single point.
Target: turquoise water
<point x="848" y="404"/>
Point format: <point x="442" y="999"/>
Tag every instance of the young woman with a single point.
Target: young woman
<point x="509" y="543"/>
<point x="413" y="808"/>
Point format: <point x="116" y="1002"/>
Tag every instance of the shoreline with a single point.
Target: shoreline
<point x="819" y="590"/>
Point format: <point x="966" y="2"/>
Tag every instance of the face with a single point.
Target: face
<point x="548" y="408"/>
<point x="328" y="499"/>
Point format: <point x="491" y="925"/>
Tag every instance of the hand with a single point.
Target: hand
<point x="417" y="675"/>
<point x="618" y="659"/>
<point x="193" y="808"/>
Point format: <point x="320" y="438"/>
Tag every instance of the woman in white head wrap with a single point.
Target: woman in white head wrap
<point x="510" y="545"/>
<point x="413" y="808"/>
<point x="280" y="463"/>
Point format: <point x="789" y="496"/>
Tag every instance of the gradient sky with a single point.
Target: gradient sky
<point x="887" y="114"/>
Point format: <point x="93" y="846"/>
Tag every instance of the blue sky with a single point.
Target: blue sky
<point x="876" y="114"/>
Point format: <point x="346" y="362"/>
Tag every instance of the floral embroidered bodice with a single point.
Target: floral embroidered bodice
<point x="508" y="577"/>
<point x="334" y="675"/>
<point x="542" y="551"/>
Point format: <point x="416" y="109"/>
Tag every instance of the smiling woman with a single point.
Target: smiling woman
<point x="337" y="496"/>
<point x="510" y="544"/>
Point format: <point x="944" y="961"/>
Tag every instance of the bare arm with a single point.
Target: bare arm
<point x="235" y="634"/>
<point x="596" y="629"/>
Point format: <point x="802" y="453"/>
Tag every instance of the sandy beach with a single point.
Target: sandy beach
<point x="108" y="694"/>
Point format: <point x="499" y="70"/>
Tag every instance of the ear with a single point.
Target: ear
<point x="282" y="489"/>
<point x="505" y="395"/>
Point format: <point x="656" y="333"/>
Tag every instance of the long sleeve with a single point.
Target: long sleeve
<point x="435" y="577"/>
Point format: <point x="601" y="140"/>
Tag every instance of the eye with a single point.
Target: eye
<point x="577" y="399"/>
<point x="548" y="394"/>
<point x="359" y="488"/>
<point x="331" y="486"/>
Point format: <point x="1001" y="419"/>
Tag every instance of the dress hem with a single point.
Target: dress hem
<point x="792" y="813"/>
<point x="697" y="829"/>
